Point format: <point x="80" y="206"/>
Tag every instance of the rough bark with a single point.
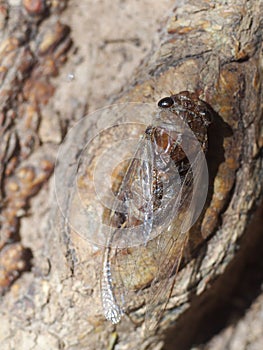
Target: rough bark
<point x="213" y="48"/>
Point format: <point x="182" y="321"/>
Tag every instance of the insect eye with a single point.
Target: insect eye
<point x="166" y="102"/>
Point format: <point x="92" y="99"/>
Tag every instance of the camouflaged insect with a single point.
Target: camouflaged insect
<point x="159" y="191"/>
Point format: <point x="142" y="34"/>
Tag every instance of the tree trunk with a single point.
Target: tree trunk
<point x="50" y="80"/>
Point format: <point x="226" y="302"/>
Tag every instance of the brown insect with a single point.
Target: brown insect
<point x="162" y="193"/>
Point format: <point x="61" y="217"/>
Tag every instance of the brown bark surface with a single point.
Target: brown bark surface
<point x="59" y="61"/>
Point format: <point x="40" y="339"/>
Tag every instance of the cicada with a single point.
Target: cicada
<point x="159" y="196"/>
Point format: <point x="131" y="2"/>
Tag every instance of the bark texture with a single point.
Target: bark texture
<point x="213" y="48"/>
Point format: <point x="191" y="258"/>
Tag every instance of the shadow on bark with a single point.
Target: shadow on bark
<point x="229" y="298"/>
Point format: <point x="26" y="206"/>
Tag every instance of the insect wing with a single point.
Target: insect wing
<point x="136" y="194"/>
<point x="135" y="190"/>
<point x="171" y="244"/>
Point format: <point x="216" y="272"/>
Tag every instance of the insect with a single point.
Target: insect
<point x="162" y="193"/>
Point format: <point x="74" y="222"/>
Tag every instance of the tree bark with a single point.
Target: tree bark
<point x="214" y="49"/>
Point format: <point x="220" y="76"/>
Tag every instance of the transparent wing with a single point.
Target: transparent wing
<point x="162" y="234"/>
<point x="136" y="195"/>
<point x="171" y="244"/>
<point x="134" y="268"/>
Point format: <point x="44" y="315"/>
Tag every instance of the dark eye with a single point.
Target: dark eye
<point x="166" y="102"/>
